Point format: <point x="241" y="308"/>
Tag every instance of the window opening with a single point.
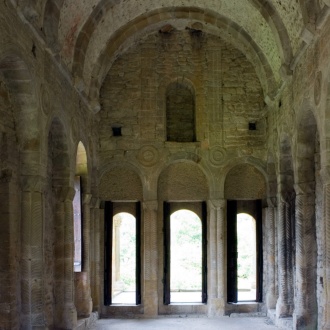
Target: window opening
<point x="77" y="225"/>
<point x="123" y="259"/>
<point x="246" y="257"/>
<point x="185" y="270"/>
<point x="180" y="113"/>
<point x="244" y="251"/>
<point x="186" y="257"/>
<point x="122" y="267"/>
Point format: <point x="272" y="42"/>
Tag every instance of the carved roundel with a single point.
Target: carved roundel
<point x="317" y="88"/>
<point x="217" y="155"/>
<point x="148" y="156"/>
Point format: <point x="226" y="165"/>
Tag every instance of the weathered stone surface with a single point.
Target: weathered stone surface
<point x="216" y="100"/>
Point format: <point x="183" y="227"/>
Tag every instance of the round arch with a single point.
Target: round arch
<point x="245" y="181"/>
<point x="182" y="180"/>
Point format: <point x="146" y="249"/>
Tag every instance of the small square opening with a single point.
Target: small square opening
<point x="116" y="131"/>
<point x="252" y="126"/>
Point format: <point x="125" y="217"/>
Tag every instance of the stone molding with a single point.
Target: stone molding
<point x="150" y="205"/>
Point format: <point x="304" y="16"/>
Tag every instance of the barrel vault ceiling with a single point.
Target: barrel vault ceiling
<point x="85" y="36"/>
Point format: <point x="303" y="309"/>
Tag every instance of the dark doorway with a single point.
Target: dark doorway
<point x="244" y="251"/>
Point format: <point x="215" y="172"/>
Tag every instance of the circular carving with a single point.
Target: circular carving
<point x="317" y="88"/>
<point x="45" y="101"/>
<point x="217" y="155"/>
<point x="148" y="156"/>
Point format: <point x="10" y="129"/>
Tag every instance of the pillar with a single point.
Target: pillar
<point x="32" y="281"/>
<point x="326" y="194"/>
<point x="95" y="255"/>
<point x="216" y="263"/>
<point x="284" y="303"/>
<point x="271" y="255"/>
<point x="150" y="252"/>
<point x="305" y="312"/>
<point x="83" y="300"/>
<point x="65" y="311"/>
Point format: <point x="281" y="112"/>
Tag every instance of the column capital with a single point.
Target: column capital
<point x="150" y="205"/>
<point x="65" y="194"/>
<point x="30" y="183"/>
<point x="216" y="203"/>
<point x="86" y="198"/>
<point x="305" y="188"/>
<point x="272" y="202"/>
<point x="95" y="202"/>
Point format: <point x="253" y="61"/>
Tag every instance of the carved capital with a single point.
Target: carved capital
<point x="65" y="194"/>
<point x="150" y="205"/>
<point x="272" y="201"/>
<point x="33" y="183"/>
<point x="304" y="188"/>
<point x="86" y="198"/>
<point x="95" y="202"/>
<point x="217" y="203"/>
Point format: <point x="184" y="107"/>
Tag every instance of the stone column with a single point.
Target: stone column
<point x="305" y="312"/>
<point x="65" y="311"/>
<point x="216" y="256"/>
<point x="284" y="304"/>
<point x="83" y="300"/>
<point x="326" y="194"/>
<point x="32" y="281"/>
<point x="271" y="257"/>
<point x="150" y="252"/>
<point x="95" y="255"/>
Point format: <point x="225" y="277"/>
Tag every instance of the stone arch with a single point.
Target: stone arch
<point x="183" y="181"/>
<point x="58" y="233"/>
<point x="180" y="112"/>
<point x="245" y="181"/>
<point x="309" y="10"/>
<point x="51" y="20"/>
<point x="266" y="9"/>
<point x="120" y="182"/>
<point x="117" y="41"/>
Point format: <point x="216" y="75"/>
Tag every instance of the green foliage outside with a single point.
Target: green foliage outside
<point x="246" y="244"/>
<point x="127" y="251"/>
<point x="186" y="251"/>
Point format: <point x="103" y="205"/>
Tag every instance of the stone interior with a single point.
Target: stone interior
<point x="163" y="101"/>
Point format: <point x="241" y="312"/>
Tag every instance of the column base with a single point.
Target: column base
<point x="283" y="310"/>
<point x="66" y="316"/>
<point x="216" y="307"/>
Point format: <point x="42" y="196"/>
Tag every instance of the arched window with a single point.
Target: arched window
<point x="180" y="113"/>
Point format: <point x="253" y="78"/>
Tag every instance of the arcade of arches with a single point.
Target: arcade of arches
<point x="149" y="107"/>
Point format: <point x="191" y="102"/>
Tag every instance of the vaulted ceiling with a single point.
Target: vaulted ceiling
<point x="87" y="35"/>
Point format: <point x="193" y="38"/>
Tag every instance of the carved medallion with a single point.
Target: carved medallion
<point x="148" y="156"/>
<point x="217" y="155"/>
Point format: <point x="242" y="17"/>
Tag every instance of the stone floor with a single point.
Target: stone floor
<point x="187" y="323"/>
